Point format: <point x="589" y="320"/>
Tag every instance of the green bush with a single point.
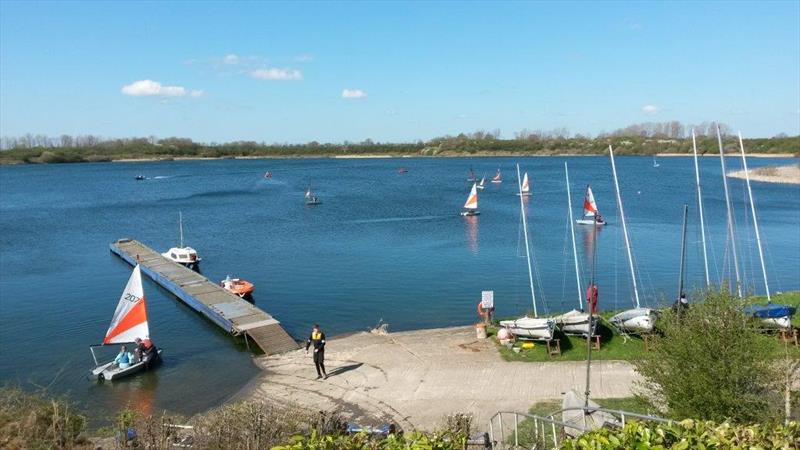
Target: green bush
<point x="33" y="421"/>
<point x="689" y="434"/>
<point x="363" y="441"/>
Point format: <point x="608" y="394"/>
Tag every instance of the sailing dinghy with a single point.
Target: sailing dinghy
<point x="128" y="324"/>
<point x="482" y="184"/>
<point x="312" y="199"/>
<point x="498" y="178"/>
<point x="472" y="177"/>
<point x="529" y="327"/>
<point x="471" y="206"/>
<point x="526" y="188"/>
<point x="591" y="216"/>
<point x="638" y="319"/>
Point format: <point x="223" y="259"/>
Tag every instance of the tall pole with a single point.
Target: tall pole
<point x="591" y="319"/>
<point x="527" y="248"/>
<point x="624" y="228"/>
<point x="700" y="207"/>
<point x="755" y="220"/>
<point x="730" y="214"/>
<point x="572" y="230"/>
<point x="180" y="225"/>
<point x="683" y="252"/>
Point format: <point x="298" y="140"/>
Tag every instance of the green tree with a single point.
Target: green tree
<point x="711" y="362"/>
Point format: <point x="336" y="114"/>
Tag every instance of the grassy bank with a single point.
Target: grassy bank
<point x="613" y="345"/>
<point x="97" y="150"/>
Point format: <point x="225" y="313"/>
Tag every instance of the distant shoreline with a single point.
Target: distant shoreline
<point x="445" y="154"/>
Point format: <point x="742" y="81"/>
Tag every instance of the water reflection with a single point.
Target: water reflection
<point x="471" y="228"/>
<point x="137" y="392"/>
<point x="589" y="240"/>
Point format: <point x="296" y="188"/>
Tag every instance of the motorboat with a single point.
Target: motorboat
<point x="238" y="286"/>
<point x="128" y="324"/>
<point x="139" y="177"/>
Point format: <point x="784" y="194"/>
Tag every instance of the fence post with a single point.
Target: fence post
<point x="516" y="428"/>
<point x="502" y="433"/>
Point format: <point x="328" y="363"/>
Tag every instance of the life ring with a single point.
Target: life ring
<point x="484" y="312"/>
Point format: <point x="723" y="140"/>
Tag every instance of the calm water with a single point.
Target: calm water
<point x="382" y="246"/>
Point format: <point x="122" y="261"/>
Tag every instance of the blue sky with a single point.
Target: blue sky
<point x="393" y="71"/>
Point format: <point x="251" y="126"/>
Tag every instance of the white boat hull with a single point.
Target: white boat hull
<point x="639" y="320"/>
<point x="576" y="323"/>
<point x="588" y="222"/>
<point x="777" y="322"/>
<point x="531" y="328"/>
<point x="109" y="371"/>
<point x="470" y="213"/>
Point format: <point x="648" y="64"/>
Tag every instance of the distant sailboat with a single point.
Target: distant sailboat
<point x="526" y="189"/>
<point x="655" y="163"/>
<point x="471" y="206"/>
<point x="482" y="184"/>
<point x="498" y="178"/>
<point x="312" y="199"/>
<point x="472" y="178"/>
<point x="591" y="216"/>
<point x="128" y="324"/>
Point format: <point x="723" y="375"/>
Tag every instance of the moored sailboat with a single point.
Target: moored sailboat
<point x="638" y="319"/>
<point x="182" y="254"/>
<point x="576" y="321"/>
<point x="591" y="216"/>
<point x="529" y="327"/>
<point x="128" y="324"/>
<point x="471" y="206"/>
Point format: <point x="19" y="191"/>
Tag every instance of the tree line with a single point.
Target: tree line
<point x="638" y="139"/>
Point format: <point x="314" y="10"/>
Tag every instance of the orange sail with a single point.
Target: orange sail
<point x="130" y="317"/>
<point x="589" y="206"/>
<point x="472" y="200"/>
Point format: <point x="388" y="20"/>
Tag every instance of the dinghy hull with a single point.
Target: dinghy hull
<point x="639" y="320"/>
<point x="576" y="323"/>
<point x="531" y="328"/>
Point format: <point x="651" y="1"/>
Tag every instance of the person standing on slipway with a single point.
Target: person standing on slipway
<point x="317" y="339"/>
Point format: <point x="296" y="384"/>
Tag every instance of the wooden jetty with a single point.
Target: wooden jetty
<point x="229" y="311"/>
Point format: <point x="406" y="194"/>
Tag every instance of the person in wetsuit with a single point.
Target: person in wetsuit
<point x="317" y="339"/>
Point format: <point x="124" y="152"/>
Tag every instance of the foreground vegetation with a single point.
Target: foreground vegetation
<point x="640" y="139"/>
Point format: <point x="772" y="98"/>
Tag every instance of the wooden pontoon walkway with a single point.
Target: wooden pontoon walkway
<point x="233" y="314"/>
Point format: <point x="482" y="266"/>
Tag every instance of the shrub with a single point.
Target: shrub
<point x="30" y="421"/>
<point x="688" y="434"/>
<point x="363" y="441"/>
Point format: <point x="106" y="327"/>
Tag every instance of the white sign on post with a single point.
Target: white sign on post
<point x="487" y="299"/>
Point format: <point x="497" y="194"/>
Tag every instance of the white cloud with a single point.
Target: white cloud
<point x="277" y="74"/>
<point x="353" y="93"/>
<point x="150" y="88"/>
<point x="197" y="93"/>
<point x="231" y="59"/>
<point x="304" y="58"/>
<point x="650" y="109"/>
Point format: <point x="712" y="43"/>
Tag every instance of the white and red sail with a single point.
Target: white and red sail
<point x="498" y="178"/>
<point x="472" y="200"/>
<point x="526" y="189"/>
<point x="589" y="206"/>
<point x="130" y="318"/>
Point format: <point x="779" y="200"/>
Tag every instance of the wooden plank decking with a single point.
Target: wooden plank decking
<point x="227" y="310"/>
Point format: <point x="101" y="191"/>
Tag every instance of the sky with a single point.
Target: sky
<point x="393" y="71"/>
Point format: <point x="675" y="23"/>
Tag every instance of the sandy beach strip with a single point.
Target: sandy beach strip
<point x="779" y="174"/>
<point x="415" y="378"/>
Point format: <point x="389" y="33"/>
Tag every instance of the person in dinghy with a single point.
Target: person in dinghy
<point x="128" y="326"/>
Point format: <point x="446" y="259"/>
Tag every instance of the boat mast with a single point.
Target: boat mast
<point x="700" y="207"/>
<point x="527" y="248"/>
<point x="755" y="221"/>
<point x="591" y="318"/>
<point x="624" y="228"/>
<point x="683" y="252"/>
<point x="180" y="225"/>
<point x="730" y="214"/>
<point x="572" y="230"/>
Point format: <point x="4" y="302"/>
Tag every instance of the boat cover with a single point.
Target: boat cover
<point x="770" y="311"/>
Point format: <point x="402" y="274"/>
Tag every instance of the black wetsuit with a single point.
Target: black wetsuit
<point x="317" y="339"/>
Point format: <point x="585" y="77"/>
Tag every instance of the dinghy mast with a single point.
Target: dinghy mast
<point x="624" y="228"/>
<point x="527" y="248"/>
<point x="700" y="208"/>
<point x="572" y="230"/>
<point x="730" y="213"/>
<point x="683" y="252"/>
<point x="755" y="220"/>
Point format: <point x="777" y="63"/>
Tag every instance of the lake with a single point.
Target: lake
<point x="382" y="246"/>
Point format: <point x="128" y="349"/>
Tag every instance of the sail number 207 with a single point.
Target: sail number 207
<point x="131" y="298"/>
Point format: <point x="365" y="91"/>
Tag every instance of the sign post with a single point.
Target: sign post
<point x="487" y="306"/>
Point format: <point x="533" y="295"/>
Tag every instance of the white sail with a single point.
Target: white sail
<point x="130" y="317"/>
<point x="589" y="205"/>
<point x="526" y="189"/>
<point x="472" y="200"/>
